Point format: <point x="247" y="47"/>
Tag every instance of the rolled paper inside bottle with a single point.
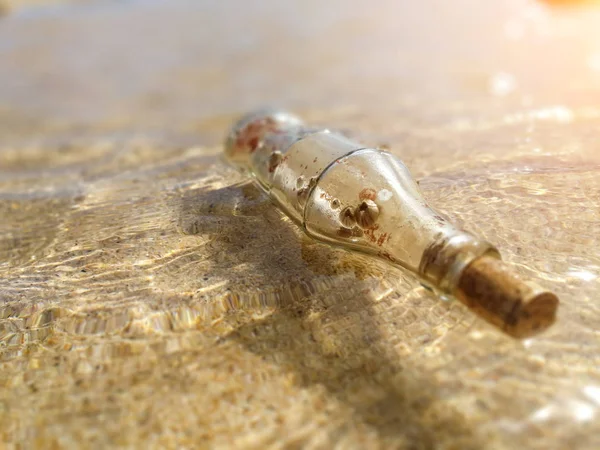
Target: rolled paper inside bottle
<point x="492" y="289"/>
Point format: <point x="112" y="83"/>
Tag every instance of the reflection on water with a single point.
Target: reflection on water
<point x="148" y="294"/>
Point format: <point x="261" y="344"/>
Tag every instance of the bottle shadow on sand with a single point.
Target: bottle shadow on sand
<point x="320" y="316"/>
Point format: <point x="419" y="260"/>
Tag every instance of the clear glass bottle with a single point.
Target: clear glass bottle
<point x="365" y="199"/>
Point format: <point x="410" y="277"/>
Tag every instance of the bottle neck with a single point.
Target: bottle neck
<point x="444" y="261"/>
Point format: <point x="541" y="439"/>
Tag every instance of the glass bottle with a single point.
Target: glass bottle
<point x="365" y="199"/>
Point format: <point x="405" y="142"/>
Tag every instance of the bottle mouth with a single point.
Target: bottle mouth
<point x="444" y="261"/>
<point x="472" y="271"/>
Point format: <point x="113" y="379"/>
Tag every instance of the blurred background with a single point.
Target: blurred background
<point x="146" y="63"/>
<point x="150" y="300"/>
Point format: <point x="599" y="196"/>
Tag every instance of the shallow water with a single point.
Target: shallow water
<point x="150" y="297"/>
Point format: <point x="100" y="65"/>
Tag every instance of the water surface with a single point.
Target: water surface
<point x="149" y="297"/>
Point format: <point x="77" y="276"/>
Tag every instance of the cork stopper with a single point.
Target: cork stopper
<point x="495" y="292"/>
